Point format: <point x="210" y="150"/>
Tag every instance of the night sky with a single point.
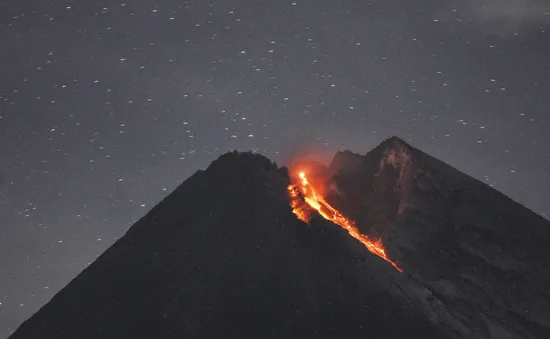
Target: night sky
<point x="105" y="107"/>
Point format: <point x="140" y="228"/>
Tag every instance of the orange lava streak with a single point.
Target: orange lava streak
<point x="315" y="201"/>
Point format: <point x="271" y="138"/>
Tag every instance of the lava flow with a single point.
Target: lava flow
<point x="304" y="198"/>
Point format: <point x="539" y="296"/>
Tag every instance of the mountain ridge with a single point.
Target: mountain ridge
<point x="447" y="227"/>
<point x="394" y="143"/>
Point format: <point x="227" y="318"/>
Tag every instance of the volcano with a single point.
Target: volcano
<point x="390" y="244"/>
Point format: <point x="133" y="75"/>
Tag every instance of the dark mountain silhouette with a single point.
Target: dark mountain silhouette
<point x="224" y="256"/>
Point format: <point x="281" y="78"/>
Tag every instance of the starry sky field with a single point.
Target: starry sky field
<point x="105" y="107"/>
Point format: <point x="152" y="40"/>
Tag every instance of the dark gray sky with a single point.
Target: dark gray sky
<point x="105" y="107"/>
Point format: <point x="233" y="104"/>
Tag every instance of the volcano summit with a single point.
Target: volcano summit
<point x="391" y="244"/>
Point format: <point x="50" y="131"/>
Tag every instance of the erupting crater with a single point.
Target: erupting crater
<point x="305" y="198"/>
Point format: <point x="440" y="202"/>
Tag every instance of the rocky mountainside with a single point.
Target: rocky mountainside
<point x="224" y="256"/>
<point x="484" y="256"/>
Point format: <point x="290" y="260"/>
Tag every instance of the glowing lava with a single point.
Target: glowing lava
<point x="304" y="198"/>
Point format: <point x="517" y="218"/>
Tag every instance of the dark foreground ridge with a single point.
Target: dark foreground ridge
<point x="224" y="257"/>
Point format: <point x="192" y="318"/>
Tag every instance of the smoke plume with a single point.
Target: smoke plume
<point x="506" y="17"/>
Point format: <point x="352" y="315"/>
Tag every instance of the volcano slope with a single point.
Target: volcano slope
<point x="482" y="255"/>
<point x="223" y="256"/>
